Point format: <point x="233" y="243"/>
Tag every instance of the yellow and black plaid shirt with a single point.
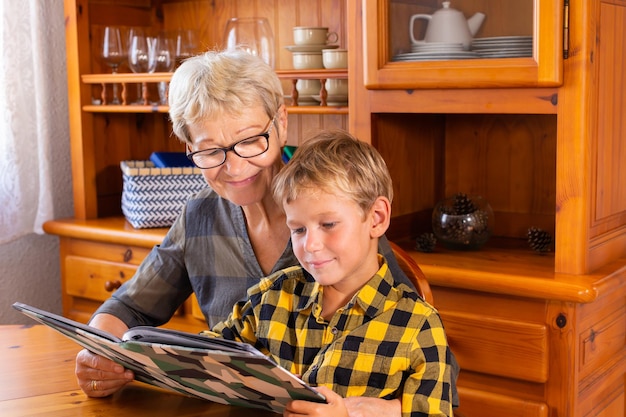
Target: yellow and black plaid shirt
<point x="386" y="342"/>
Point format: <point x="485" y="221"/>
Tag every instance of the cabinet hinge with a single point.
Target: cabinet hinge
<point x="566" y="29"/>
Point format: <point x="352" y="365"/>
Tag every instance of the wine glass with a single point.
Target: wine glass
<point x="164" y="52"/>
<point x="113" y="54"/>
<point x="141" y="58"/>
<point x="185" y="44"/>
<point x="253" y="34"/>
<point x="132" y="32"/>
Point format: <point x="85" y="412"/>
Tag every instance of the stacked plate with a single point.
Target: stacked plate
<point x="503" y="46"/>
<point x="435" y="51"/>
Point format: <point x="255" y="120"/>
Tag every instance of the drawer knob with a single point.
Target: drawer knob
<point x="111" y="286"/>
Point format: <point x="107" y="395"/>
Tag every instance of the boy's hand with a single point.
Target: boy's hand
<point x="335" y="406"/>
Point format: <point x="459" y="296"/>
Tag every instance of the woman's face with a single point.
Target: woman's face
<point x="243" y="181"/>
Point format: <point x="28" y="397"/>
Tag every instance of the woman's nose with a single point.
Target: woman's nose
<point x="234" y="162"/>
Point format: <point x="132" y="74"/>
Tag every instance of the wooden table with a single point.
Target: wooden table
<point x="37" y="379"/>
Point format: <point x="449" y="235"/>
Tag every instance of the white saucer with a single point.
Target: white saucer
<point x="333" y="100"/>
<point x="435" y="56"/>
<point x="437" y="47"/>
<point x="309" y="48"/>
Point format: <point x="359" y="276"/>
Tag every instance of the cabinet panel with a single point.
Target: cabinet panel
<point x="609" y="210"/>
<point x="602" y="341"/>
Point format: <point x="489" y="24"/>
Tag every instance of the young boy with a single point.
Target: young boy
<point x="340" y="320"/>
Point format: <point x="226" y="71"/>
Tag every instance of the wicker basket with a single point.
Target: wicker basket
<point x="153" y="197"/>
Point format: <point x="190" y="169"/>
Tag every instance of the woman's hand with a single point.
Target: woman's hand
<point x="98" y="376"/>
<point x="334" y="407"/>
<point x="372" y="407"/>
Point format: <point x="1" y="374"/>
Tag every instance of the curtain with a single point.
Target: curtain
<point x="33" y="109"/>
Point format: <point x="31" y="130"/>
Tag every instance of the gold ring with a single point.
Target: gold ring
<point x="94" y="385"/>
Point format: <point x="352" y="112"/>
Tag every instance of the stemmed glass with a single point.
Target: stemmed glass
<point x="113" y="54"/>
<point x="141" y="59"/>
<point x="185" y="44"/>
<point x="165" y="61"/>
<point x="253" y="34"/>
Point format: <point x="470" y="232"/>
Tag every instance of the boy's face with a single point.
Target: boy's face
<point x="333" y="239"/>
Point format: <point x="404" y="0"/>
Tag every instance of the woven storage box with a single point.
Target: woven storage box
<point x="153" y="197"/>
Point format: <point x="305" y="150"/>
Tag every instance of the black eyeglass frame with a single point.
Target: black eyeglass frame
<point x="230" y="148"/>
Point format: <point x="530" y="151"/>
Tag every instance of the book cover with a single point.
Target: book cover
<point x="170" y="159"/>
<point x="218" y="370"/>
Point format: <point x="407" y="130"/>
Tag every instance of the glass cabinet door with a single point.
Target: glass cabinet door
<point x="463" y="43"/>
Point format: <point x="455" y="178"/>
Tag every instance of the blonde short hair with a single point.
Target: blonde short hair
<point x="221" y="82"/>
<point x="337" y="163"/>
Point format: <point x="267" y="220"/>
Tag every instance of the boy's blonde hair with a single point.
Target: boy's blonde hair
<point x="217" y="83"/>
<point x="337" y="163"/>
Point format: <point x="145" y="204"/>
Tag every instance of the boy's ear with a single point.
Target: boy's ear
<point x="380" y="214"/>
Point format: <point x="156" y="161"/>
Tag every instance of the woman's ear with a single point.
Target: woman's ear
<point x="282" y="119"/>
<point x="380" y="215"/>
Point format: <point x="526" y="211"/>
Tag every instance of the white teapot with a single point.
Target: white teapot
<point x="448" y="25"/>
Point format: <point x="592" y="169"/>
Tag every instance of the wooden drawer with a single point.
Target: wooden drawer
<point x="498" y="346"/>
<point x="124" y="254"/>
<point x="476" y="403"/>
<point x="95" y="279"/>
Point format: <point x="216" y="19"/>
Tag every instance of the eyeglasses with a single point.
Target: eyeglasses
<point x="245" y="148"/>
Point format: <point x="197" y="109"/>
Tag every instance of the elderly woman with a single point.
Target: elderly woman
<point x="227" y="107"/>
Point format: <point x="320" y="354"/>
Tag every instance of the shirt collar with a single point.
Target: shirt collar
<point x="371" y="298"/>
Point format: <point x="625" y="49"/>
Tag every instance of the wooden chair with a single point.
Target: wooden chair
<point x="417" y="277"/>
<point x="413" y="272"/>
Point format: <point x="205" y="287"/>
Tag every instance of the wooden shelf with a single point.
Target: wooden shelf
<point x="506" y="266"/>
<point x="131" y="78"/>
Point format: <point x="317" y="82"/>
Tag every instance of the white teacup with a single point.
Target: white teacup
<point x="335" y="58"/>
<point x="307" y="60"/>
<point x="308" y="87"/>
<point x="313" y="35"/>
<point x="337" y="87"/>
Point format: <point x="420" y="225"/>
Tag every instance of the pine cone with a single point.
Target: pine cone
<point x="539" y="240"/>
<point x="463" y="204"/>
<point x="426" y="242"/>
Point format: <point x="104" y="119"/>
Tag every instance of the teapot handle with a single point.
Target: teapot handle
<point x="412" y="23"/>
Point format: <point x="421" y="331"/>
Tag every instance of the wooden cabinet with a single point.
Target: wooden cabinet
<point x="99" y="249"/>
<point x="539" y="139"/>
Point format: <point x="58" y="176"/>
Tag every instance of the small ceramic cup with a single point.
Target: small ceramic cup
<point x="337" y="87"/>
<point x="307" y="60"/>
<point x="335" y="58"/>
<point x="313" y="35"/>
<point x="308" y="87"/>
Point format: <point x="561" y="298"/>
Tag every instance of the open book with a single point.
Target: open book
<point x="213" y="369"/>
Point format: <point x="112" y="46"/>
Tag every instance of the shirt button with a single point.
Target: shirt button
<point x="334" y="330"/>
